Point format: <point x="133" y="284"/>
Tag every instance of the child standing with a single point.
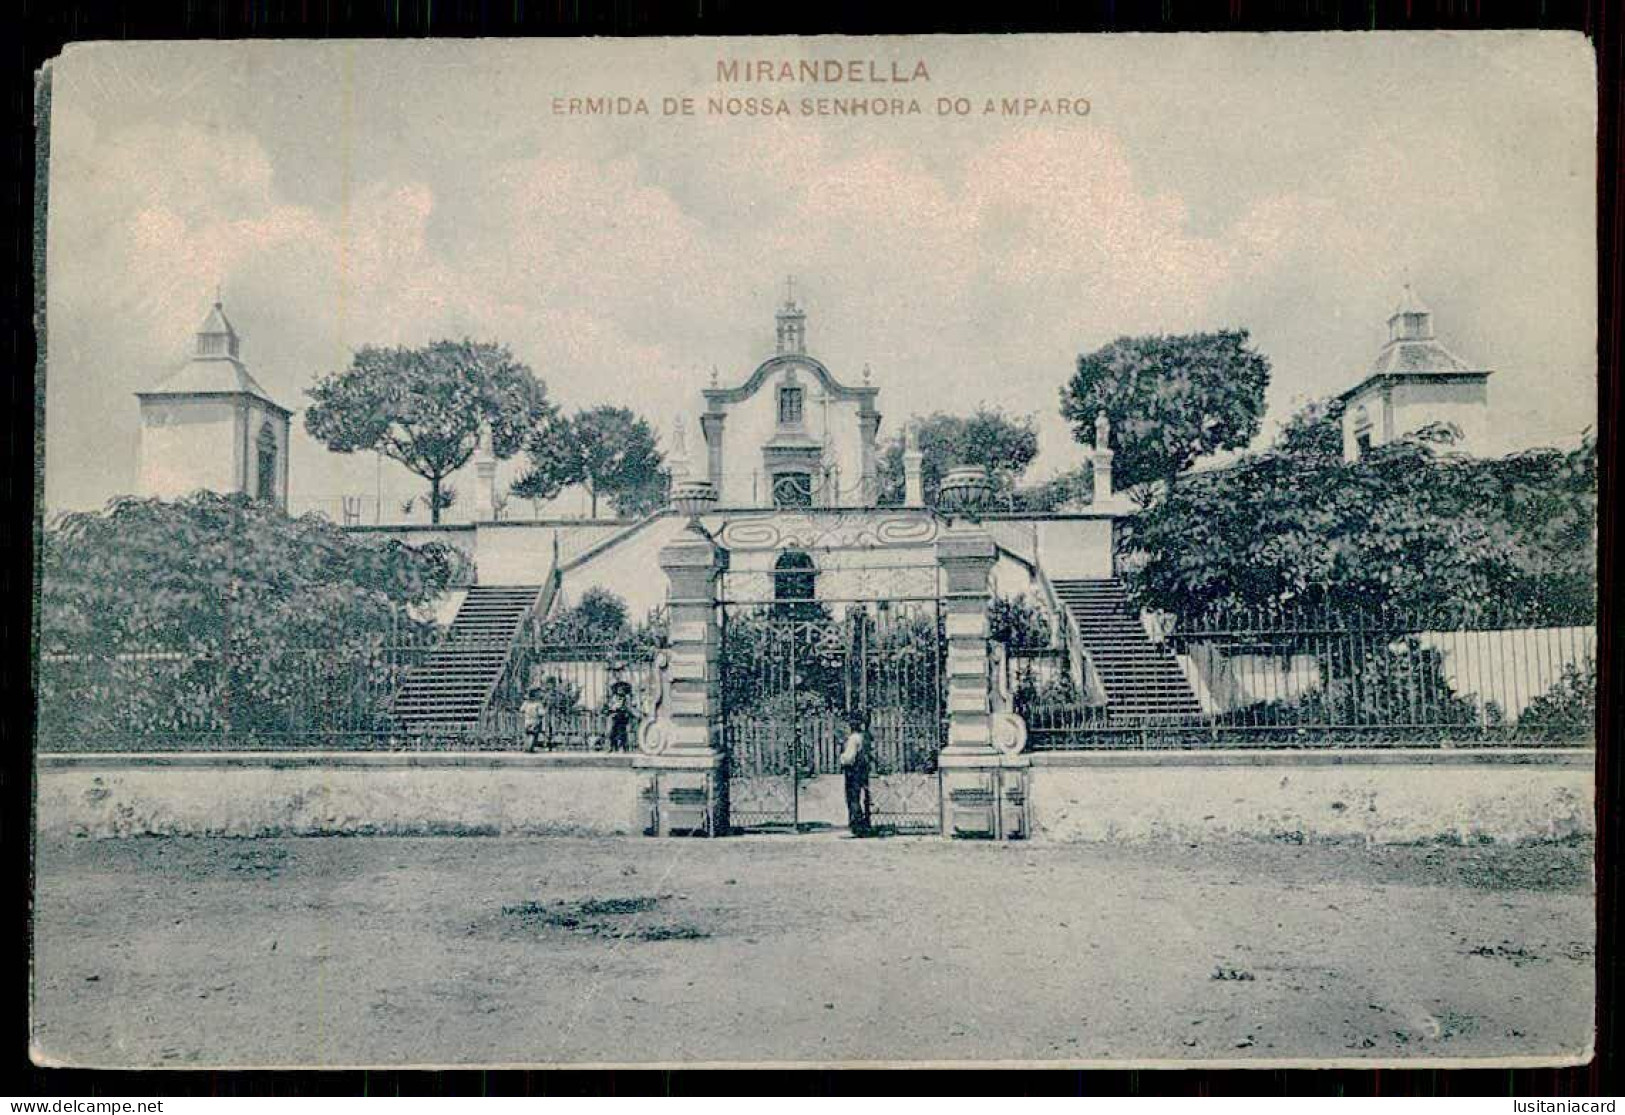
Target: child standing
<point x="531" y="718"/>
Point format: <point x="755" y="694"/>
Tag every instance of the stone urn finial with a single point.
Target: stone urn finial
<point x="965" y="490"/>
<point x="693" y="498"/>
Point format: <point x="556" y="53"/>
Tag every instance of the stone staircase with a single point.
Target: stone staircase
<point x="1143" y="681"/>
<point x="449" y="691"/>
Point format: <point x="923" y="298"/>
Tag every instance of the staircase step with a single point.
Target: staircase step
<point x="1143" y="682"/>
<point x="449" y="688"/>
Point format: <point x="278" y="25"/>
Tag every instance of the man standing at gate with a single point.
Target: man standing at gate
<point x="855" y="766"/>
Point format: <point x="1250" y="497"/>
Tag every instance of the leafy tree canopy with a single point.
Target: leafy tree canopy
<point x="598" y="617"/>
<point x="608" y="450"/>
<point x="601" y="618"/>
<point x="1003" y="445"/>
<point x="1412" y="526"/>
<point x="219" y="618"/>
<point x="426" y="407"/>
<point x="1074" y="487"/>
<point x="146" y="573"/>
<point x="1170" y="400"/>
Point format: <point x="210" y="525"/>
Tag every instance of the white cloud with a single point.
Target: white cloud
<point x="965" y="265"/>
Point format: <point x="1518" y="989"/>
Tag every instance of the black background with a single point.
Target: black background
<point x="33" y="32"/>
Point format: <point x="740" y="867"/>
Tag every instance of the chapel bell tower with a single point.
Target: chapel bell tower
<point x="211" y="426"/>
<point x="792" y="322"/>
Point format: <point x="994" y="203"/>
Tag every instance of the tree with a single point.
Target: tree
<point x="220" y="613"/>
<point x="598" y="617"/>
<point x="426" y="408"/>
<point x="1544" y="503"/>
<point x="1170" y="400"/>
<point x="608" y="450"/>
<point x="1411" y="526"/>
<point x="1018" y="622"/>
<point x="1003" y="445"/>
<point x="1074" y="486"/>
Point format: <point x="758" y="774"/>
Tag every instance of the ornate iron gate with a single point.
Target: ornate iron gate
<point x="798" y="667"/>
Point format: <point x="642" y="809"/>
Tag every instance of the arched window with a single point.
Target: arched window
<point x="794" y="577"/>
<point x="265" y="477"/>
<point x="1362" y="430"/>
<point x="790" y="409"/>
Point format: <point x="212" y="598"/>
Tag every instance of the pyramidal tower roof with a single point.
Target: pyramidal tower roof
<point x="214" y="367"/>
<point x="1412" y="347"/>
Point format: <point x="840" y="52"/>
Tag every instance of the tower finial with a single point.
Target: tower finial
<point x="1411" y="320"/>
<point x="216" y="337"/>
<point x="792" y="322"/>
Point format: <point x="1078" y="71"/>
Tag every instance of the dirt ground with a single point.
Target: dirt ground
<point x="389" y="951"/>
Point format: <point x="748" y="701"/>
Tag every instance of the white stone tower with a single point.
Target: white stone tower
<point x="211" y="426"/>
<point x="1415" y="382"/>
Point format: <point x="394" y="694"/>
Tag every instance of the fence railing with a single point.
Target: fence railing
<point x="1325" y="680"/>
<point x="1251" y="682"/>
<point x="379" y="694"/>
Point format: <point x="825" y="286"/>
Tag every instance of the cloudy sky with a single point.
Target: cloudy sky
<point x="351" y="193"/>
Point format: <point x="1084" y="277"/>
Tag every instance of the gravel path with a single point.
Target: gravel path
<point x="392" y="951"/>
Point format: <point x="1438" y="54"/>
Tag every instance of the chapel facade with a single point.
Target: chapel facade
<point x="791" y="434"/>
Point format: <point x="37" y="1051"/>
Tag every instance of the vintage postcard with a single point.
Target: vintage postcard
<point x="924" y="550"/>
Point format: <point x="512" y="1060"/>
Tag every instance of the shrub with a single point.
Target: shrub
<point x="1566" y="711"/>
<point x="221" y="616"/>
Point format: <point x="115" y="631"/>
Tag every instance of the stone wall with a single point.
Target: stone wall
<point x="1073" y="547"/>
<point x="1380" y="796"/>
<point x="1392" y="796"/>
<point x="334" y="792"/>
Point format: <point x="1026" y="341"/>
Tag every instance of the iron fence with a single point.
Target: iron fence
<point x="589" y="696"/>
<point x="1253" y="681"/>
<point x="1297" y="681"/>
<point x="428" y="691"/>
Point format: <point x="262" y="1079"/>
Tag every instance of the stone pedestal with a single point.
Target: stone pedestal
<point x="913" y="469"/>
<point x="683" y="784"/>
<point x="681" y="795"/>
<point x="1101" y="460"/>
<point x="485" y="475"/>
<point x="984" y="791"/>
<point x="984" y="796"/>
<point x="711" y="428"/>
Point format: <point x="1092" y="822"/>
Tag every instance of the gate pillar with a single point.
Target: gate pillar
<point x="984" y="789"/>
<point x="683" y="789"/>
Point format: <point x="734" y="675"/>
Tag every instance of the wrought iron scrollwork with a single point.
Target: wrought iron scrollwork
<point x="1008" y="728"/>
<point x="655" y="734"/>
<point x="829" y="530"/>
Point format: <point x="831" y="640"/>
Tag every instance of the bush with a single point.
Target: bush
<point x="600" y="619"/>
<point x="1018" y="623"/>
<point x="1566" y="711"/>
<point x="220" y="616"/>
